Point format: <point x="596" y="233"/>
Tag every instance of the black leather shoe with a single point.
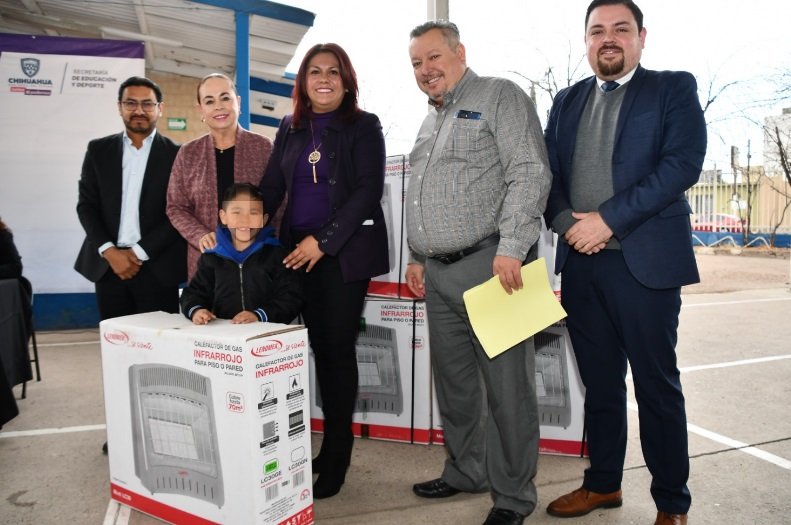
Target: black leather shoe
<point x="504" y="517"/>
<point x="104" y="448"/>
<point x="436" y="488"/>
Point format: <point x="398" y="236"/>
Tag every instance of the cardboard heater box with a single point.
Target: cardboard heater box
<point x="208" y="424"/>
<point x="393" y="399"/>
<point x="391" y="284"/>
<point x="561" y="396"/>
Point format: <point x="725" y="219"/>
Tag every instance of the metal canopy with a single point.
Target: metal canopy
<point x="191" y="38"/>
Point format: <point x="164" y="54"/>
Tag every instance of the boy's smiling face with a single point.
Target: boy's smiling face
<point x="244" y="217"/>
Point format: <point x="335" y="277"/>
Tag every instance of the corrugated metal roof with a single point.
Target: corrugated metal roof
<point x="191" y="38"/>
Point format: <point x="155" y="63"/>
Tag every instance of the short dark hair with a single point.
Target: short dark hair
<point x="241" y="188"/>
<point x="349" y="108"/>
<point x="449" y="31"/>
<point x="638" y="15"/>
<point x="139" y="81"/>
<point x="215" y="75"/>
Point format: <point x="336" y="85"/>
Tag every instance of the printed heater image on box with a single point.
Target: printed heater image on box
<point x="174" y="432"/>
<point x="380" y="387"/>
<point x="552" y="382"/>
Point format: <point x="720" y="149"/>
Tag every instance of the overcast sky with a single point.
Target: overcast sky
<point x="719" y="42"/>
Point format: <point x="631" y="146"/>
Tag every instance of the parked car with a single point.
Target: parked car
<point x="718" y="222"/>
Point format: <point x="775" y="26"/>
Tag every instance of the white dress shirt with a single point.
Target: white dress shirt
<point x="134" y="168"/>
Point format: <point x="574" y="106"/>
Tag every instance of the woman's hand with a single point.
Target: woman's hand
<point x="207" y="242"/>
<point x="306" y="252"/>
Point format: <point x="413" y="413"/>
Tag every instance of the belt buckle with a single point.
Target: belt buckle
<point x="449" y="258"/>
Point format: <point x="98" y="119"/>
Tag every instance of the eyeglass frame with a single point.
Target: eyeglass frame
<point x="127" y="105"/>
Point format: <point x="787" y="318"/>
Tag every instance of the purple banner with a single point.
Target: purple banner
<point x="61" y="45"/>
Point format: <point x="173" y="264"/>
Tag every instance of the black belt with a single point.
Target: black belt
<point x="451" y="258"/>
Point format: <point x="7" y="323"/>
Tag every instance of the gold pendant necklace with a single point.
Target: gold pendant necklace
<point x="314" y="156"/>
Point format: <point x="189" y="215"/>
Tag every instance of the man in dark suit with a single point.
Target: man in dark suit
<point x="131" y="251"/>
<point x="622" y="156"/>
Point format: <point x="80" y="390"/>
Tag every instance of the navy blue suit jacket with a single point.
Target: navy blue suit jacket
<point x="355" y="232"/>
<point x="99" y="209"/>
<point x="660" y="144"/>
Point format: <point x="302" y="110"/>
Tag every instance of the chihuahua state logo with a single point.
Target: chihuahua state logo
<point x="30" y="66"/>
<point x="29" y="83"/>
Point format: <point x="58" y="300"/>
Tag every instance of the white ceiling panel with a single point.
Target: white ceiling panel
<point x="189" y="37"/>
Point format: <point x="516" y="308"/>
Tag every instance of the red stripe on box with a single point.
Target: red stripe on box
<point x="545" y="446"/>
<point x="403" y="434"/>
<point x="564" y="447"/>
<point x="155" y="508"/>
<point x="399" y="290"/>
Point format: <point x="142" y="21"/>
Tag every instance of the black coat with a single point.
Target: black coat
<point x="261" y="283"/>
<point x="99" y="209"/>
<point x="10" y="262"/>
<point x="355" y="231"/>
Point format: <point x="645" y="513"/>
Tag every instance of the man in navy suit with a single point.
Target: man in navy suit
<point x="131" y="251"/>
<point x="622" y="154"/>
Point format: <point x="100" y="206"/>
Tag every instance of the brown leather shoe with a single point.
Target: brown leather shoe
<point x="664" y="518"/>
<point x="582" y="501"/>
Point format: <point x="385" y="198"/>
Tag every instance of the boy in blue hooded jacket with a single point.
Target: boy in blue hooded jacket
<point x="243" y="277"/>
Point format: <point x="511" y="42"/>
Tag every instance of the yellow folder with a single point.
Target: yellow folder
<point x="501" y="321"/>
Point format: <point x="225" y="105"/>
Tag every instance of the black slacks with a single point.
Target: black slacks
<point x="140" y="294"/>
<point x="332" y="315"/>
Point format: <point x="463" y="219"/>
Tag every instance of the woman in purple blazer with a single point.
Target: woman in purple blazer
<point x="329" y="160"/>
<point x="205" y="167"/>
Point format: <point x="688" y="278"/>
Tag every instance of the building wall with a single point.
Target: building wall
<point x="773" y="205"/>
<point x="180" y="97"/>
<point x="781" y="123"/>
<point x="770" y="198"/>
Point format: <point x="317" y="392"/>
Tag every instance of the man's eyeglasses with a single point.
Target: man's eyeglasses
<point x="132" y="105"/>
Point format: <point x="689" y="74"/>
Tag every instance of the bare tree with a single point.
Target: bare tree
<point x="713" y="92"/>
<point x="751" y="178"/>
<point x="553" y="79"/>
<point x="549" y="81"/>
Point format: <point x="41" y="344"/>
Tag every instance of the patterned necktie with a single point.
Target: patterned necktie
<point x="609" y="86"/>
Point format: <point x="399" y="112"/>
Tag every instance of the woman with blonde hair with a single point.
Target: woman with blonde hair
<point x="205" y="167"/>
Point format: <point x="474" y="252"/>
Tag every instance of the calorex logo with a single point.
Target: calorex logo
<point x="269" y="347"/>
<point x="30" y="66"/>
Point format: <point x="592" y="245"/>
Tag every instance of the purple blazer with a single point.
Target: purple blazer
<point x="355" y="231"/>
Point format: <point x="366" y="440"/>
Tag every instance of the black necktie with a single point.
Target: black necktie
<point x="609" y="86"/>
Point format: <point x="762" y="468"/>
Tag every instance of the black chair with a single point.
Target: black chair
<point x="27" y="292"/>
